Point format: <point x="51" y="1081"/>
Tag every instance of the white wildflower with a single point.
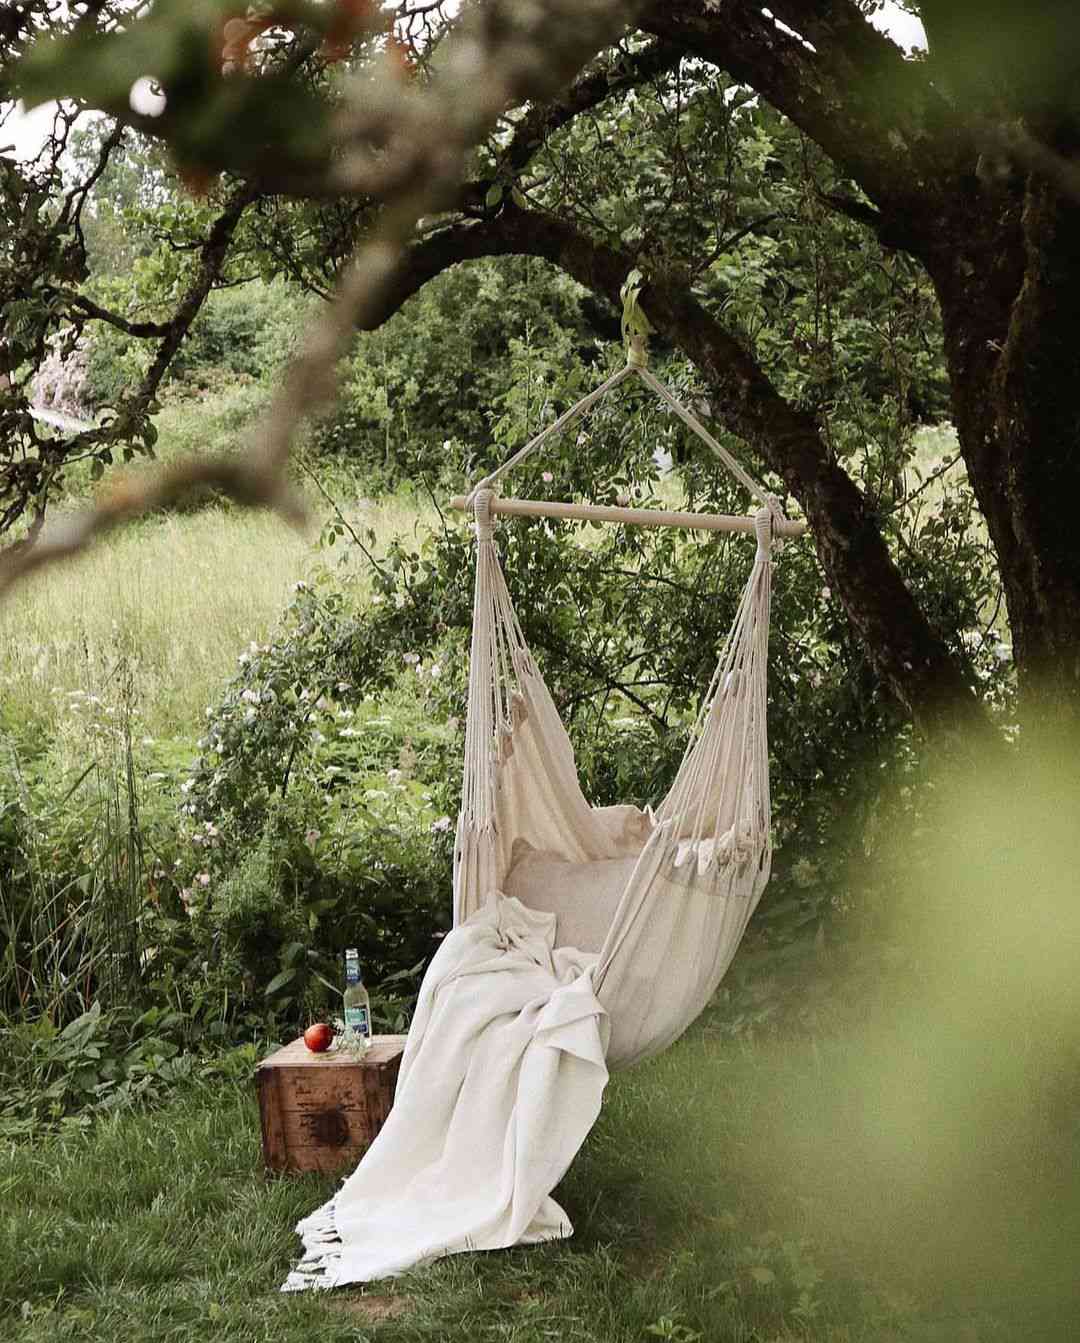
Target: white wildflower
<point x="311" y="838"/>
<point x="441" y="825"/>
<point x="394" y="775"/>
<point x="436" y="671"/>
<point x="547" y="477"/>
<point x="203" y="879"/>
<point x="411" y="658"/>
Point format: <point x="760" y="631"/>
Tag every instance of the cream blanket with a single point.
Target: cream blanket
<point x="500" y="1082"/>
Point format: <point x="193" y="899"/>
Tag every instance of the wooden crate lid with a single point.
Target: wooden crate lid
<point x="383" y="1049"/>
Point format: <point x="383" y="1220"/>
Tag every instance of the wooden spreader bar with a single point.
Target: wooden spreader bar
<point x="636" y="517"/>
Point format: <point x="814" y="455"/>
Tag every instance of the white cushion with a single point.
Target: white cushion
<point x="582" y="896"/>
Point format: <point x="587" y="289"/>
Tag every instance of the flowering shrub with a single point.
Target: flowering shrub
<point x="307" y="819"/>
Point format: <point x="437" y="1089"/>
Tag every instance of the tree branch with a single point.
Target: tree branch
<point x="850" y="90"/>
<point x="909" y="655"/>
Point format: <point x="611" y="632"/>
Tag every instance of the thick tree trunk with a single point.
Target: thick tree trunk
<point x="1008" y="295"/>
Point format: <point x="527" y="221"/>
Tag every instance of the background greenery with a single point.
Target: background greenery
<point x="227" y="753"/>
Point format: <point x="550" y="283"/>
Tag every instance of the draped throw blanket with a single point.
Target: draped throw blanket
<point x="500" y="1082"/>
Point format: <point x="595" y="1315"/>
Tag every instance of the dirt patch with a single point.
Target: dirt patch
<point x="373" y="1308"/>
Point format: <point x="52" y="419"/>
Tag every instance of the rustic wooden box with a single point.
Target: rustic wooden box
<point x="322" y="1111"/>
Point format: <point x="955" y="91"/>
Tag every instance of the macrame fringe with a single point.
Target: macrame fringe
<point x="317" y="1268"/>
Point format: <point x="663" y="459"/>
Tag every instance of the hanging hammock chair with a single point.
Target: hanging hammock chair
<point x="508" y="1054"/>
<point x="662" y="897"/>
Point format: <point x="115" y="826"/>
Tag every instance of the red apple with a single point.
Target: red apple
<point x="318" y="1037"/>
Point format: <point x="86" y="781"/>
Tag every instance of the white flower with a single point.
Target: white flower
<point x="826" y="593"/>
<point x="203" y="879"/>
<point x="249" y="715"/>
<point x="436" y="671"/>
<point x="317" y="738"/>
<point x="441" y="825"/>
<point x="300" y="586"/>
<point x="322" y="704"/>
<point x="411" y="658"/>
<point x="547" y="477"/>
<point x="148" y="741"/>
<point x="311" y="838"/>
<point x="250" y="696"/>
<point x="447" y="445"/>
<point x="187" y="786"/>
<point x="244" y="659"/>
<point x="394" y="775"/>
<point x="342" y="686"/>
<point x="399" y="600"/>
<point x="196" y="838"/>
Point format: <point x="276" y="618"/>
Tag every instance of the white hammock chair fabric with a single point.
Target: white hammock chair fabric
<point x="663" y="897"/>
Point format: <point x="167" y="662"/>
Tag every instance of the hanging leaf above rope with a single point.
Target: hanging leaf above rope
<point x="634" y="321"/>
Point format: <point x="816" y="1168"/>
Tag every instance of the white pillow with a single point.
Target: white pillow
<point x="583" y="896"/>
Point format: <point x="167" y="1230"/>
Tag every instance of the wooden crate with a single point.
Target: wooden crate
<point x="322" y="1111"/>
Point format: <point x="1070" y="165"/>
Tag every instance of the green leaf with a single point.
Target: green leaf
<point x="279" y="982"/>
<point x="494" y="195"/>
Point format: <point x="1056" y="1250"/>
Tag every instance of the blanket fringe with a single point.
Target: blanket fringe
<point x="322" y="1251"/>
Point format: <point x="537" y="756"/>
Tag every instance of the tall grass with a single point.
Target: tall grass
<point x="178" y="597"/>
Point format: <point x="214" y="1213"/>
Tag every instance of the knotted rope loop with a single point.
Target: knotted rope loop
<point x="763" y="526"/>
<point x="637" y="355"/>
<point x="481" y="504"/>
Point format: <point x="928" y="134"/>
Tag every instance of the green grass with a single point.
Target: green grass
<point x="160" y="1225"/>
<point x="180" y="597"/>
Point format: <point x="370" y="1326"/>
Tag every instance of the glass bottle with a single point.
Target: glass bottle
<point x="357" y="1003"/>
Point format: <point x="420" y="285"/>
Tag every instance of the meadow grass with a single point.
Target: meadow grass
<point x="160" y="1225"/>
<point x="177" y="597"/>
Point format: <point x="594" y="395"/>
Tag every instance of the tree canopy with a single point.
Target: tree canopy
<point x="842" y="238"/>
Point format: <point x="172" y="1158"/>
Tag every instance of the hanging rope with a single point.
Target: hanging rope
<point x="635" y="325"/>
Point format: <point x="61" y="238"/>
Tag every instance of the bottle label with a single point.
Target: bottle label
<point x="356" y="1019"/>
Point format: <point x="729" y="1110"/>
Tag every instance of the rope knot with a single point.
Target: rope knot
<point x="637" y="355"/>
<point x="763" y="530"/>
<point x="481" y="502"/>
